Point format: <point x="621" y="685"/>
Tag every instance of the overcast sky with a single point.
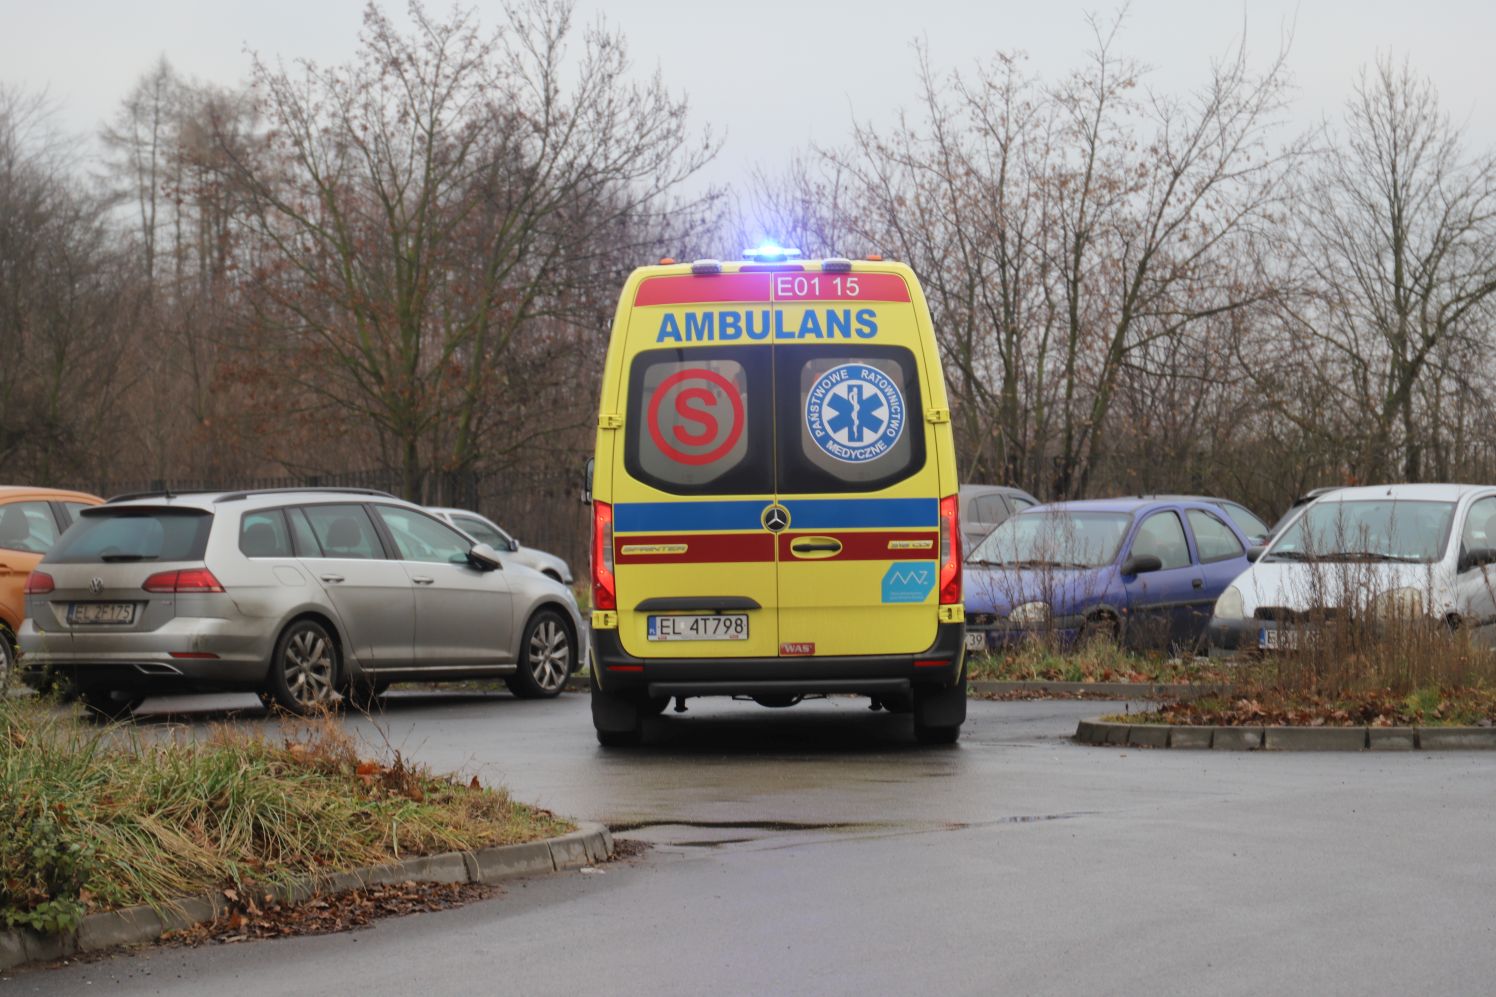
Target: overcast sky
<point x="777" y="74"/>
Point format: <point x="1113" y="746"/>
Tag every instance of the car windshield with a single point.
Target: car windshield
<point x="1054" y="538"/>
<point x="1370" y="530"/>
<point x="481" y="530"/>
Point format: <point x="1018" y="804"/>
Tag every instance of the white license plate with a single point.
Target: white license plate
<point x="707" y="626"/>
<point x="1270" y="639"/>
<point x="85" y="613"/>
<point x="976" y="640"/>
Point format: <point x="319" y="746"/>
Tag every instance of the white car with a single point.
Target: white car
<point x="485" y="530"/>
<point x="1400" y="550"/>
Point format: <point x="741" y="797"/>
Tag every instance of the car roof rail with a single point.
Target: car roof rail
<point x="238" y="496"/>
<point x="329" y="489"/>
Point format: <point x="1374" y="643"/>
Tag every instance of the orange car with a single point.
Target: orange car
<point x="31" y="520"/>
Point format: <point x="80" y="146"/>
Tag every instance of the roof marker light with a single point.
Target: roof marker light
<point x="665" y="261"/>
<point x="770" y="253"/>
<point x="706" y="266"/>
<point x="836" y="264"/>
<point x="875" y="257"/>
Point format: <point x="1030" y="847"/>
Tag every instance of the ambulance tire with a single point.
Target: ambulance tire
<point x="939" y="712"/>
<point x="617" y="718"/>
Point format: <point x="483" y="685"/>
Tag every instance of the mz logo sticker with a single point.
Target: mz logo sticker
<point x="908" y="581"/>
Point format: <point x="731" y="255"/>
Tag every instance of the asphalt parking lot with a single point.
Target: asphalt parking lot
<point x="819" y="850"/>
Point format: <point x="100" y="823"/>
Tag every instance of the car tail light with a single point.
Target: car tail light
<point x="39" y="583"/>
<point x="186" y="580"/>
<point x="603" y="595"/>
<point x="950" y="552"/>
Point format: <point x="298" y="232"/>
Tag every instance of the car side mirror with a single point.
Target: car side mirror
<point x="1256" y="551"/>
<point x="1475" y="558"/>
<point x="513" y="545"/>
<point x="484" y="558"/>
<point x="1141" y="564"/>
<point x="587" y="480"/>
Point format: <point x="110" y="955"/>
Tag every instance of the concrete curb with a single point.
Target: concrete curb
<point x="589" y="844"/>
<point x="1287" y="738"/>
<point x="1110" y="690"/>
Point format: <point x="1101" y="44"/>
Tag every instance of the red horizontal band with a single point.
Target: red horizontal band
<point x="699" y="548"/>
<point x="686" y="290"/>
<point x="930" y="663"/>
<point x="866" y="546"/>
<point x="840" y="287"/>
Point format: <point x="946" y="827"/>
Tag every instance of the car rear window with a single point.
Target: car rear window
<point x="135" y="534"/>
<point x="699" y="421"/>
<point x="849" y="419"/>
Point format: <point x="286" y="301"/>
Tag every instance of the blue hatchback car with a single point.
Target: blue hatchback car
<point x="1145" y="571"/>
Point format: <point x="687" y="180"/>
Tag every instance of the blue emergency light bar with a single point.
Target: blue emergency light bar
<point x="770" y="253"/>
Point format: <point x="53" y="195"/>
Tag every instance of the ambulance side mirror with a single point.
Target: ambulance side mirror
<point x="587" y="480"/>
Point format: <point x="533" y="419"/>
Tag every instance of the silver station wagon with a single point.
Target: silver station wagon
<point x="300" y="596"/>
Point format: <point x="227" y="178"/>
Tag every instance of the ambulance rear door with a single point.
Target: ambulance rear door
<point x="857" y="468"/>
<point x="694" y="565"/>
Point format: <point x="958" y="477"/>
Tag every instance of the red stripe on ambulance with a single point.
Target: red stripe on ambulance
<point x="918" y="545"/>
<point x="693" y="289"/>
<point x="840" y="287"/>
<point x="693" y="548"/>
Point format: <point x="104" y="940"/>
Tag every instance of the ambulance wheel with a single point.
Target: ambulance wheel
<point x="618" y="719"/>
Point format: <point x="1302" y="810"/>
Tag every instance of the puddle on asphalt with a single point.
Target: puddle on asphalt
<point x="704" y="834"/>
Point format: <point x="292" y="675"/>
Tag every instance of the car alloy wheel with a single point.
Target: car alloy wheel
<point x="549" y="654"/>
<point x="306" y="668"/>
<point x="545" y="657"/>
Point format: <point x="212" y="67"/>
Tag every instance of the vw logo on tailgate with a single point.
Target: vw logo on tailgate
<point x="96" y="585"/>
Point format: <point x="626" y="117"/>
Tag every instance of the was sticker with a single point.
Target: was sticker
<point x="855" y="413"/>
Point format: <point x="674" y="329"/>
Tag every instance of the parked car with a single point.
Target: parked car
<point x="1421" y="550"/>
<point x="1251" y="525"/>
<point x="297" y="594"/>
<point x="984" y="507"/>
<point x="31" y="520"/>
<point x="485" y="530"/>
<point x="1145" y="571"/>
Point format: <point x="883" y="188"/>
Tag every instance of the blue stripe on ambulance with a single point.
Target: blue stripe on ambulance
<point x="805" y="514"/>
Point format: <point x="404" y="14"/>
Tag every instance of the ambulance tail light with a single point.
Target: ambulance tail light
<point x="603" y="594"/>
<point x="950" y="553"/>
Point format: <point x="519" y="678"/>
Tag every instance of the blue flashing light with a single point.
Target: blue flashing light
<point x="770" y="253"/>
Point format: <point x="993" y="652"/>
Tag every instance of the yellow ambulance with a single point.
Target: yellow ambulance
<point x="774" y="495"/>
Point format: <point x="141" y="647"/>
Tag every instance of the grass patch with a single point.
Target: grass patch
<point x="1094" y="661"/>
<point x="1404" y="673"/>
<point x="95" y="818"/>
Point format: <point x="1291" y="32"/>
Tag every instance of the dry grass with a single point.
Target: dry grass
<point x="1098" y="660"/>
<point x="94" y="818"/>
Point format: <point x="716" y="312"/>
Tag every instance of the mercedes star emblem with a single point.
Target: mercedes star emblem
<point x="776" y="518"/>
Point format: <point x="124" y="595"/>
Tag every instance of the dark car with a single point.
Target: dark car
<point x="984" y="507"/>
<point x="1146" y="571"/>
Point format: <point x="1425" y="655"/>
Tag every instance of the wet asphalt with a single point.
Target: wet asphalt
<point x="819" y="850"/>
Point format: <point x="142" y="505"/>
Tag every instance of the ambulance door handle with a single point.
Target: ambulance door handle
<point x="816" y="546"/>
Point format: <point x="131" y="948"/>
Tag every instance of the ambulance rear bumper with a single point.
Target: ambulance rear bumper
<point x="863" y="675"/>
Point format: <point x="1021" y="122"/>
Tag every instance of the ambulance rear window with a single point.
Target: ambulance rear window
<point x="700" y="421"/>
<point x="850" y="420"/>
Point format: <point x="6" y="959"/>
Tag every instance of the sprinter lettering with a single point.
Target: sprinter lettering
<point x="764" y="323"/>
